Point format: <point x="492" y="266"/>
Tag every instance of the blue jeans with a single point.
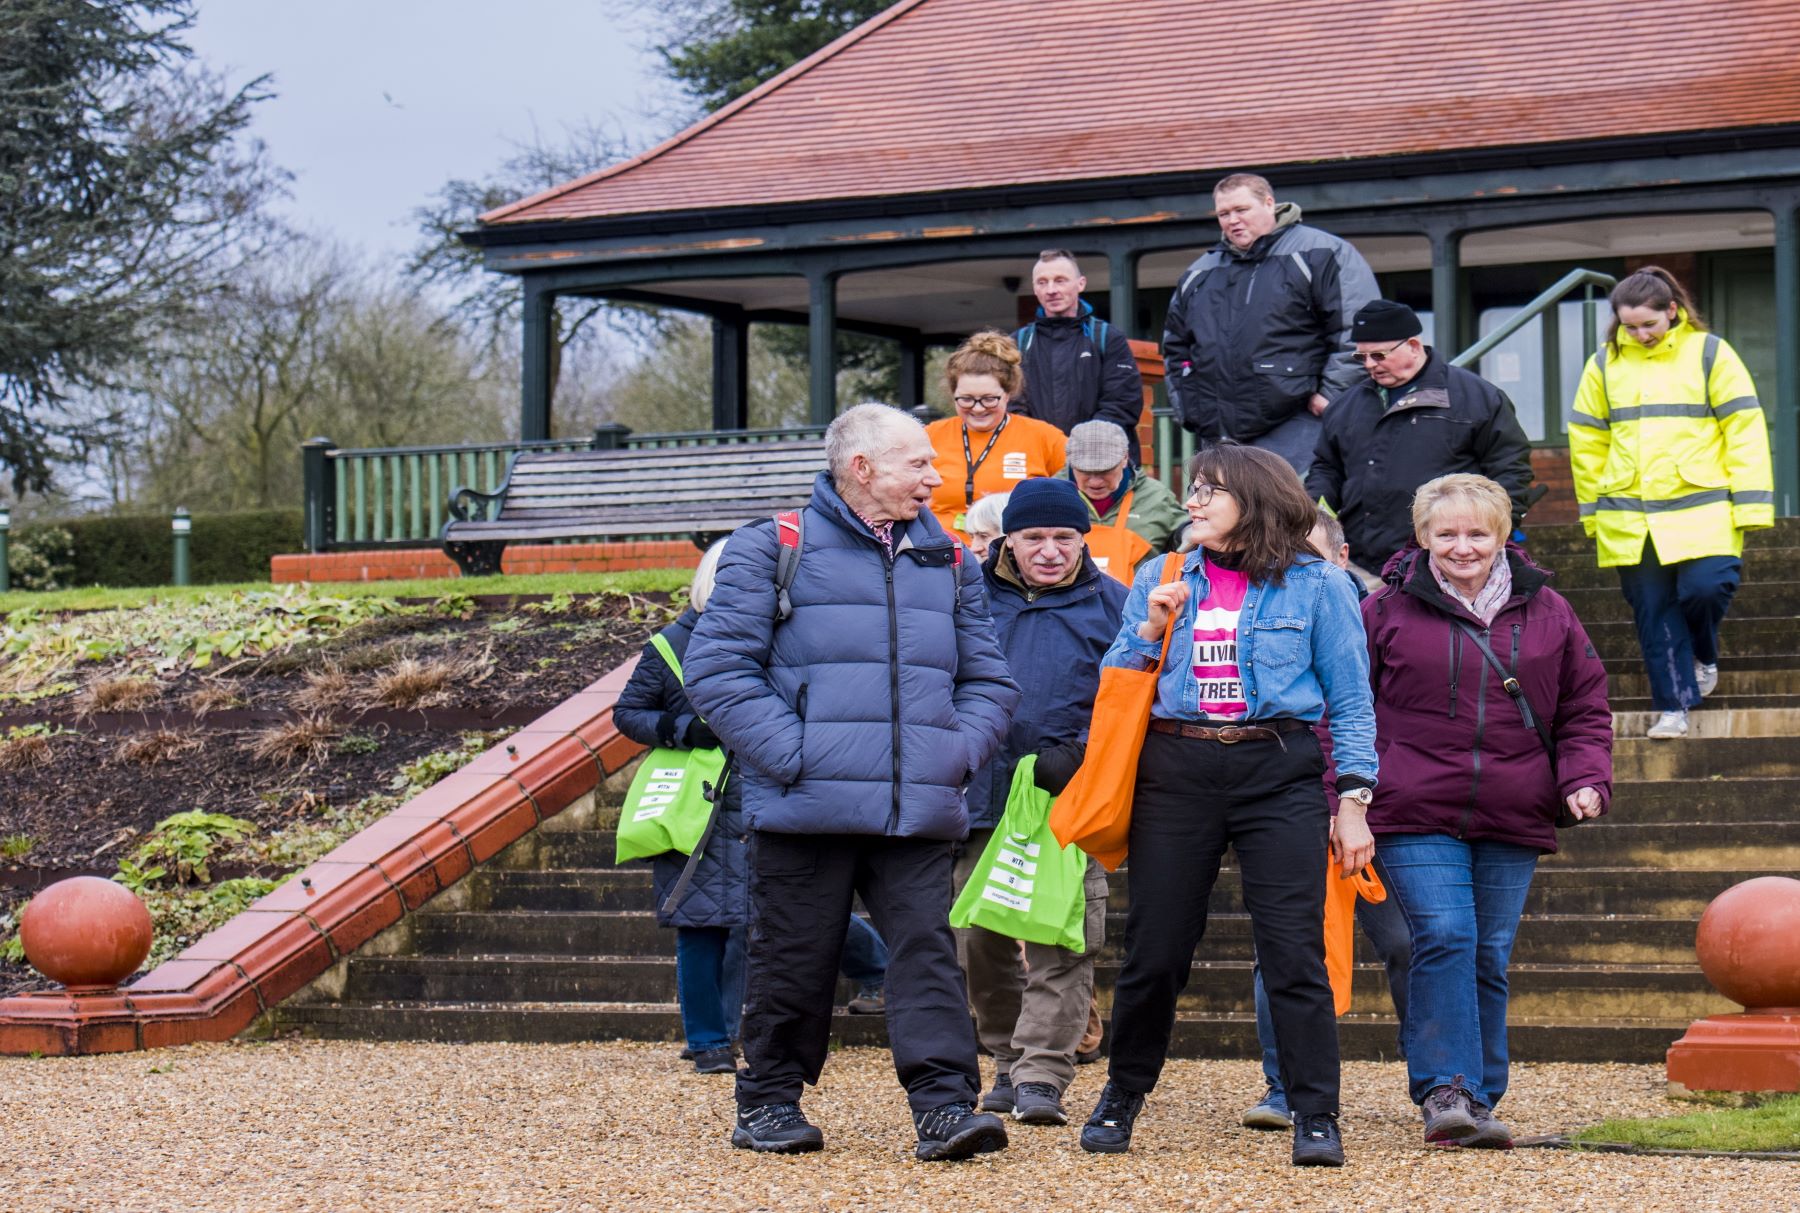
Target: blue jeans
<point x="1678" y="608"/>
<point x="1462" y="902"/>
<point x="709" y="980"/>
<point x="865" y="958"/>
<point x="1385" y="926"/>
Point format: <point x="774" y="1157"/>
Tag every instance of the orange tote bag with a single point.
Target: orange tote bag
<point x="1341" y="893"/>
<point x="1094" y="811"/>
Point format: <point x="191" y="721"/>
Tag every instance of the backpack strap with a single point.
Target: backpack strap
<point x="1022" y="338"/>
<point x="789" y="530"/>
<point x="661" y="644"/>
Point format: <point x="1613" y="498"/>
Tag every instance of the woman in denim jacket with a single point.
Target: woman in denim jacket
<point x="1267" y="637"/>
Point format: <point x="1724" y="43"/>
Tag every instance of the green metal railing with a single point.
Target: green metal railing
<point x="1544" y="309"/>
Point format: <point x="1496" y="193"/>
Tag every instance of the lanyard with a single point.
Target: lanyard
<point x="974" y="464"/>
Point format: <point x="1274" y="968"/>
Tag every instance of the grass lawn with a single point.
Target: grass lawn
<point x="102" y="598"/>
<point x="1774" y="1125"/>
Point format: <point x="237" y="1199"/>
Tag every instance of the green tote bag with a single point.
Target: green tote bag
<point x="666" y="808"/>
<point x="1026" y="884"/>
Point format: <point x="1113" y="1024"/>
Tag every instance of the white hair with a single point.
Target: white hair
<point x="986" y="513"/>
<point x="704" y="573"/>
<point x="868" y="430"/>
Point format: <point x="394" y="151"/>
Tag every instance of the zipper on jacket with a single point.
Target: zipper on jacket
<point x="1455" y="667"/>
<point x="1475" y="750"/>
<point x="893" y="685"/>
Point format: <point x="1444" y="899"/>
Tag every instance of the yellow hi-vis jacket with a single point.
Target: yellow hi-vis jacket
<point x="1670" y="442"/>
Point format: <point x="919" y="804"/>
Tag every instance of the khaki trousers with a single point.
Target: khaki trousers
<point x="1030" y="1000"/>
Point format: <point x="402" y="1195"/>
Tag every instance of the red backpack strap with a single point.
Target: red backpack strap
<point x="789" y="531"/>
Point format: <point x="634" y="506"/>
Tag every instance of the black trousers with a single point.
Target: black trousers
<point x="801" y="887"/>
<point x="1193" y="799"/>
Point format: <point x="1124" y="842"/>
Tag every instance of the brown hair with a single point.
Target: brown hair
<point x="1275" y="516"/>
<point x="989" y="352"/>
<point x="1653" y="287"/>
<point x="1246" y="181"/>
<point x="1059" y="254"/>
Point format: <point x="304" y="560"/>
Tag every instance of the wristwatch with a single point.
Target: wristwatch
<point x="1362" y="796"/>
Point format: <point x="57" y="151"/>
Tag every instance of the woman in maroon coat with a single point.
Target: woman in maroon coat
<point x="1470" y="794"/>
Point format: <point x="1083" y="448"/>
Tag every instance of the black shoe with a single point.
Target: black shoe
<point x="1039" y="1103"/>
<point x="1449" y="1114"/>
<point x="956" y="1131"/>
<point x="716" y="1061"/>
<point x="1108" y="1130"/>
<point x="1088" y="1058"/>
<point x="1002" y="1097"/>
<point x="1316" y="1140"/>
<point x="869" y="1000"/>
<point x="776" y="1128"/>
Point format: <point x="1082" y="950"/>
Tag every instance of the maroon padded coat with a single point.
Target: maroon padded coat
<point x="1456" y="755"/>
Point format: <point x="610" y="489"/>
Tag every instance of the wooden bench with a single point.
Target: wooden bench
<point x="699" y="491"/>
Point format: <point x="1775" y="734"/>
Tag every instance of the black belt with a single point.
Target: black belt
<point x="1231" y="734"/>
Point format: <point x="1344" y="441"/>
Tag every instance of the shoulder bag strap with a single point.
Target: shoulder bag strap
<point x="1171" y="570"/>
<point x="1509" y="682"/>
<point x="661" y="644"/>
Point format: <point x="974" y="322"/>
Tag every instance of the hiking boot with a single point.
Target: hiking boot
<point x="1002" y="1097"/>
<point x="955" y="1131"/>
<point x="1491" y="1133"/>
<point x="1316" y="1140"/>
<point x="1039" y="1103"/>
<point x="870" y="1000"/>
<point x="1449" y="1114"/>
<point x="1108" y="1130"/>
<point x="1706" y="677"/>
<point x="1669" y="725"/>
<point x="776" y="1128"/>
<point x="716" y="1061"/>
<point x="1270" y="1112"/>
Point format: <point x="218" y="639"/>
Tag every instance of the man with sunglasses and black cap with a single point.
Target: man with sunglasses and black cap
<point x="1414" y="418"/>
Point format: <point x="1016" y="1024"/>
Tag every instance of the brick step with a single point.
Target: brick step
<point x="1577" y="571"/>
<point x="1774" y="664"/>
<point x="1714" y="703"/>
<point x="1558" y="888"/>
<point x="1563" y="539"/>
<point x="1741" y="636"/>
<point x="1639" y="758"/>
<point x="1360" y="1037"/>
<point x="1714" y="799"/>
<point x="1543" y="939"/>
<point x="1743" y="681"/>
<point x="1599" y="603"/>
<point x="1716" y="720"/>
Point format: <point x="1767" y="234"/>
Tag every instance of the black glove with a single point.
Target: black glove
<point x="700" y="735"/>
<point x="1057" y="764"/>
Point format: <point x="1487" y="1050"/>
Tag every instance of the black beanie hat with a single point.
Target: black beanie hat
<point x="1045" y="502"/>
<point x="1385" y="320"/>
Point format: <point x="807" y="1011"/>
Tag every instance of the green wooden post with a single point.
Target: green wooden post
<point x="377" y="498"/>
<point x="1122" y="266"/>
<point x="1446" y="282"/>
<point x="361" y="530"/>
<point x="5" y="533"/>
<point x="822" y="345"/>
<point x="182" y="526"/>
<point x="415" y="489"/>
<point x="436" y="493"/>
<point x="340" y="529"/>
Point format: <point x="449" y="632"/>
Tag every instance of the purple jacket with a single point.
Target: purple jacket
<point x="1456" y="755"/>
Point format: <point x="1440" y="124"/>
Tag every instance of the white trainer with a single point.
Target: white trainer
<point x="1669" y="724"/>
<point x="1707" y="676"/>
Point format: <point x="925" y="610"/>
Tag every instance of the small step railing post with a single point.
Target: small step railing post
<point x="321" y="493"/>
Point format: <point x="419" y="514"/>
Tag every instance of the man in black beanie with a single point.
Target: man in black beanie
<point x="1413" y="419"/>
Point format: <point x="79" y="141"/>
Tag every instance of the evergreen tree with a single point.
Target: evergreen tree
<point x="728" y="47"/>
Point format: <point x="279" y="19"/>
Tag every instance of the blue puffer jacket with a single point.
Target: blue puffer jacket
<point x="1053" y="641"/>
<point x="868" y="711"/>
<point x="654" y="711"/>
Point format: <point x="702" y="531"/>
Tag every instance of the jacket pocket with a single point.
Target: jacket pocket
<point x="1278" y="640"/>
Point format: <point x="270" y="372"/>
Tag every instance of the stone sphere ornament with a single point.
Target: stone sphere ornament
<point x="1749" y="943"/>
<point x="85" y="932"/>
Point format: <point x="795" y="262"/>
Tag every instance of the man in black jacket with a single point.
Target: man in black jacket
<point x="1077" y="366"/>
<point x="1413" y="418"/>
<point x="1257" y="342"/>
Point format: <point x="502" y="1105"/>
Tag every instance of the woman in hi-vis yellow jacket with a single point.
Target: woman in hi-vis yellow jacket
<point x="1670" y="452"/>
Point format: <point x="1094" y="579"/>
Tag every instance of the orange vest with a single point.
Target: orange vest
<point x="1115" y="547"/>
<point x="1026" y="448"/>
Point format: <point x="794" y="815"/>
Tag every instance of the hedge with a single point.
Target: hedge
<point x="138" y="549"/>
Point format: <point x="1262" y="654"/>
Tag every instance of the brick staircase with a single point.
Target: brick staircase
<point x="550" y="942"/>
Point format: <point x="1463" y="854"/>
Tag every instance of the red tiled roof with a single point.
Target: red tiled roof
<point x="957" y="94"/>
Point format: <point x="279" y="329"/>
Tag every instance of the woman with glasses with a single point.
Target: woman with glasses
<point x="1265" y="638"/>
<point x="1412" y="418"/>
<point x="1670" y="451"/>
<point x="985" y="449"/>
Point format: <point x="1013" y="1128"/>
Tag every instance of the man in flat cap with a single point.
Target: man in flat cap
<point x="1135" y="515"/>
<point x="1414" y="418"/>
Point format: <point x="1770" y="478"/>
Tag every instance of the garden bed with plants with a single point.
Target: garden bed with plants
<point x="201" y="750"/>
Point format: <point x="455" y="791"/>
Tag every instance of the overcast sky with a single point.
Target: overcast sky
<point x="382" y="101"/>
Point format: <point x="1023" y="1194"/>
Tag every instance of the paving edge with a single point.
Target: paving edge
<point x="1620" y="1147"/>
<point x="223" y="982"/>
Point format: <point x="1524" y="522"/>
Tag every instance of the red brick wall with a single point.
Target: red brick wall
<point x="408" y="563"/>
<point x="1550" y="465"/>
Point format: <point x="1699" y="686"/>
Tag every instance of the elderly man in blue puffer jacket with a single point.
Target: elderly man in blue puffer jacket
<point x="856" y="724"/>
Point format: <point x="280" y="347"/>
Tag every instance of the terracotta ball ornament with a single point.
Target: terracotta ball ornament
<point x="85" y="932"/>
<point x="1749" y="943"/>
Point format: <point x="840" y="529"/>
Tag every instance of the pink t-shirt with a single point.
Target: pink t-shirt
<point x="1216" y="644"/>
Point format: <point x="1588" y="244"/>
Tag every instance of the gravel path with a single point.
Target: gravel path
<point x="304" y="1126"/>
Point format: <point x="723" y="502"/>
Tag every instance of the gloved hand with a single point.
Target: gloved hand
<point x="1057" y="764"/>
<point x="700" y="736"/>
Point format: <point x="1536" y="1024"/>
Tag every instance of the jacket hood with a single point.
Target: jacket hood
<point x="923" y="531"/>
<point x="1287" y="214"/>
<point x="1409" y="570"/>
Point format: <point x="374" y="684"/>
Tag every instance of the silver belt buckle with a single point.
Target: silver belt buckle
<point x="1231" y="734"/>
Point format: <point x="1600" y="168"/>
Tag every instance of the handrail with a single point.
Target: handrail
<point x="1552" y="295"/>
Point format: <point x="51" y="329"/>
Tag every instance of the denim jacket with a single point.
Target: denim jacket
<point x="1301" y="648"/>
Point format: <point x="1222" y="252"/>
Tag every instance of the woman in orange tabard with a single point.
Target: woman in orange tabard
<point x="984" y="449"/>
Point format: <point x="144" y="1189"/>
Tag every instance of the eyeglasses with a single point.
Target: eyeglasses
<point x="980" y="402"/>
<point x="1380" y="355"/>
<point x="1201" y="492"/>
